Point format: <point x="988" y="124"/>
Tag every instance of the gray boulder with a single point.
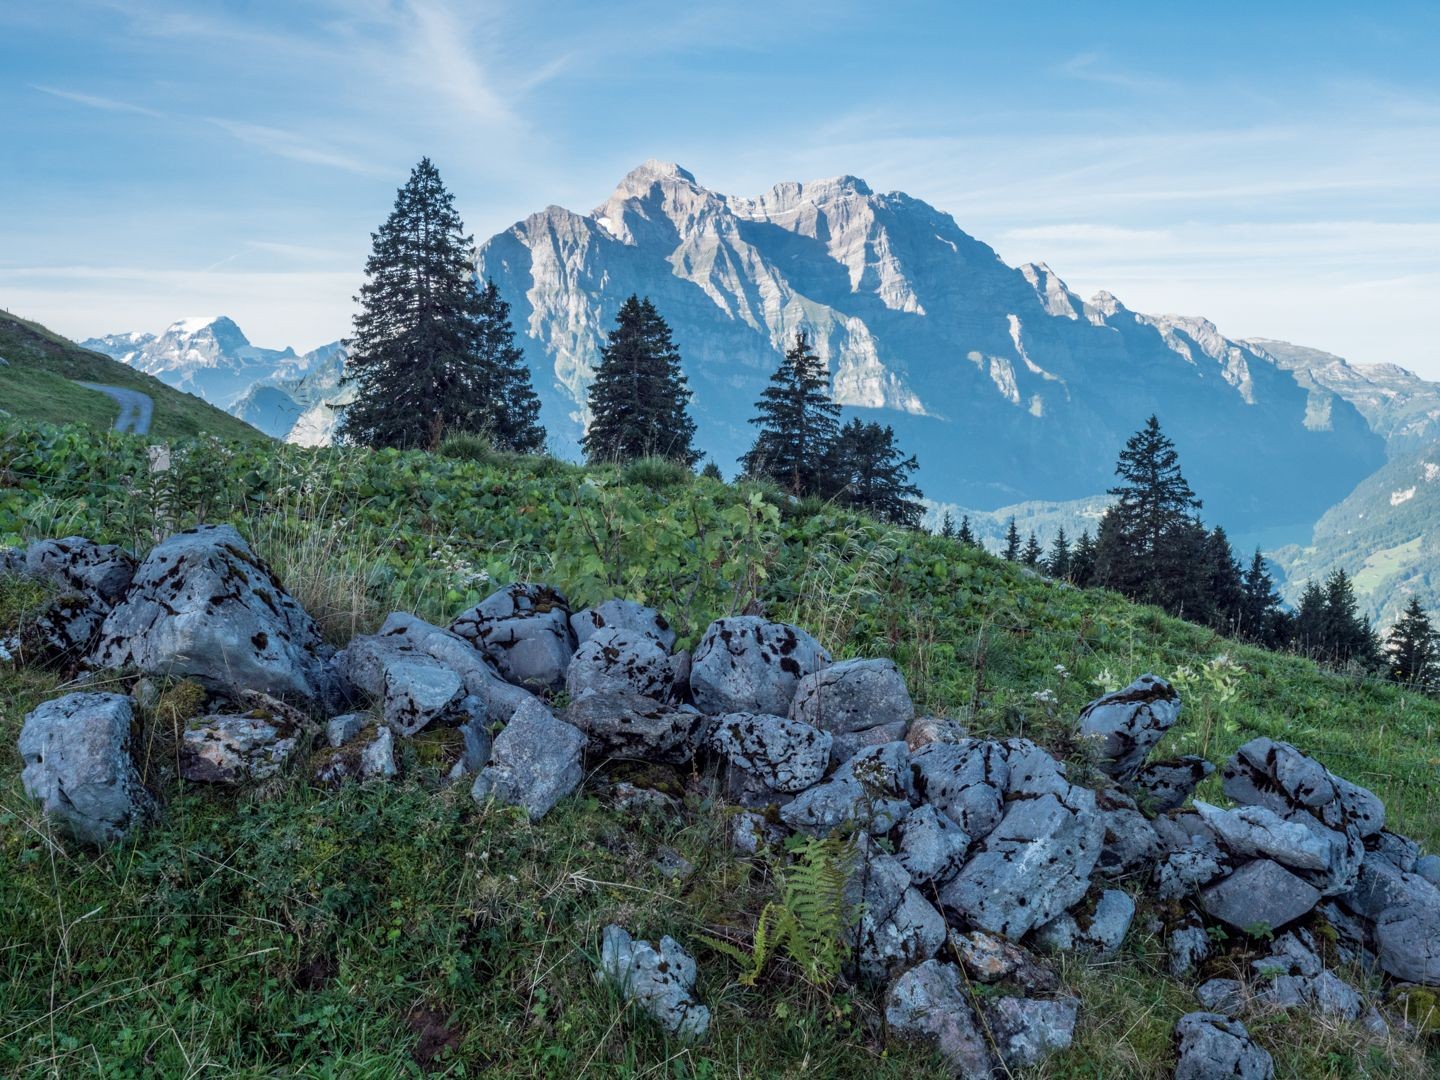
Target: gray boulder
<point x="419" y="691"/>
<point x="897" y="927"/>
<point x="844" y="747"/>
<point x="622" y="615"/>
<point x="1127" y="724"/>
<point x="1099" y="935"/>
<point x="622" y="723"/>
<point x="1034" y="865"/>
<point x="659" y="981"/>
<point x="1027" y="1031"/>
<point x="1400" y="851"/>
<point x="746" y="664"/>
<point x="781" y="754"/>
<point x="1130" y="844"/>
<point x="1213" y="1047"/>
<point x="203" y="606"/>
<point x="340" y="730"/>
<point x="619" y="659"/>
<point x="964" y="781"/>
<point x="78" y="765"/>
<point x="1332" y="996"/>
<point x="1188" y="946"/>
<point x="1260" y="894"/>
<point x="1224" y="996"/>
<point x="524" y="630"/>
<point x="1279" y="777"/>
<point x="852" y="696"/>
<point x="928" y="1003"/>
<point x="1428" y="867"/>
<point x="990" y="959"/>
<point x="1328" y="859"/>
<point x="932" y="848"/>
<point x="843" y="801"/>
<point x="1160" y="786"/>
<point x="225" y="749"/>
<point x="535" y="762"/>
<point x="90" y="577"/>
<point x="1407" y="938"/>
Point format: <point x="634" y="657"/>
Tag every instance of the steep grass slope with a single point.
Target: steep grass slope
<point x="379" y="930"/>
<point x="39" y="382"/>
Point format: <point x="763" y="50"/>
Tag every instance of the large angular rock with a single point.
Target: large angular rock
<point x="535" y="762"/>
<point x="852" y="696"/>
<point x="746" y="664"/>
<point x="913" y="932"/>
<point x="843" y="801"/>
<point x="660" y="981"/>
<point x="1100" y="934"/>
<point x="932" y="848"/>
<point x="964" y="781"/>
<point x="622" y="723"/>
<point x="619" y="659"/>
<point x="1259" y="895"/>
<point x="929" y="1003"/>
<point x="1128" y="723"/>
<point x="90" y="578"/>
<point x="622" y="615"/>
<point x="1407" y="937"/>
<point x="1328" y="859"/>
<point x="420" y="691"/>
<point x="225" y="749"/>
<point x="78" y="765"/>
<point x="844" y="747"/>
<point x="1212" y="1047"/>
<point x="203" y="606"/>
<point x="781" y="754"/>
<point x="524" y="630"/>
<point x="1160" y="786"/>
<point x="1035" y="864"/>
<point x="1027" y="1031"/>
<point x="1279" y="777"/>
<point x="1130" y="845"/>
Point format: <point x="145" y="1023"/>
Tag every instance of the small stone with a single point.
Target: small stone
<point x="990" y="959"/>
<point x="1215" y="1048"/>
<point x="933" y="729"/>
<point x="747" y="833"/>
<point x="1188" y="947"/>
<point x="641" y="800"/>
<point x="1224" y="996"/>
<point x="1428" y="868"/>
<point x="233" y="749"/>
<point x="1100" y="936"/>
<point x="932" y="847"/>
<point x="1332" y="996"/>
<point x="1130" y="845"/>
<point x="929" y="1003"/>
<point x="624" y="724"/>
<point x="659" y="981"/>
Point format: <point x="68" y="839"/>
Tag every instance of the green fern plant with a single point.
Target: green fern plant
<point x="807" y="923"/>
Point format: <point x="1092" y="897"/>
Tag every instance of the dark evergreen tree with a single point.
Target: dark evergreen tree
<point x="1082" y="561"/>
<point x="869" y="473"/>
<point x="1150" y="545"/>
<point x="1225" y="588"/>
<point x="1260" y="605"/>
<point x="418" y="351"/>
<point x="1012" y="542"/>
<point x="798" y="424"/>
<point x="508" y="410"/>
<point x="1349" y="637"/>
<point x="1033" y="552"/>
<point x="1309" y="629"/>
<point x="1412" y="649"/>
<point x="947" y="526"/>
<point x="966" y="535"/>
<point x="712" y="471"/>
<point x="638" y="401"/>
<point x="1058" y="564"/>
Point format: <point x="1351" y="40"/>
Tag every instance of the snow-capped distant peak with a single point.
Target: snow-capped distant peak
<point x="194" y="324"/>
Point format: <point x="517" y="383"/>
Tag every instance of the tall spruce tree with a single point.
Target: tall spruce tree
<point x="639" y="399"/>
<point x="798" y="424"/>
<point x="1348" y="637"/>
<point x="947" y="526"/>
<point x="1032" y="552"/>
<point x="868" y="472"/>
<point x="966" y="535"/>
<point x="1224" y="583"/>
<point x="508" y="410"/>
<point x="1082" y="560"/>
<point x="1012" y="542"/>
<point x="1151" y="545"/>
<point x="1260" y="605"/>
<point x="417" y="354"/>
<point x="1058" y="563"/>
<point x="1309" y="629"/>
<point x="1412" y="648"/>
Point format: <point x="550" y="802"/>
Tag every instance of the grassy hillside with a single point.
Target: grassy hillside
<point x="384" y="929"/>
<point x="38" y="382"/>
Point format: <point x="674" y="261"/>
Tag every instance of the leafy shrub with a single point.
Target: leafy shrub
<point x="656" y="473"/>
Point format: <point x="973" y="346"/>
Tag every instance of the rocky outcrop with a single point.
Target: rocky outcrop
<point x="1126" y="725"/>
<point x="853" y="696"/>
<point x="779" y="754"/>
<point x="624" y="724"/>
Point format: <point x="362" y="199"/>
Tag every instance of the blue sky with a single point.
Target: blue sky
<point x="1273" y="166"/>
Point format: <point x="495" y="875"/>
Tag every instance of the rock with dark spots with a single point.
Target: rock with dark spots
<point x="1188" y="946"/>
<point x="1183" y="872"/>
<point x="100" y="572"/>
<point x="1380" y="886"/>
<point x="1033" y="770"/>
<point x="1100" y="934"/>
<point x="853" y="695"/>
<point x="1212" y="1047"/>
<point x="932" y="848"/>
<point x="624" y="724"/>
<point x="1279" y="777"/>
<point x="524" y="630"/>
<point x="617" y="659"/>
<point x="780" y="754"/>
<point x="78" y="765"/>
<point x="1407" y="936"/>
<point x="60" y="632"/>
<point x="1034" y="865"/>
<point x="1178" y="831"/>
<point x="1291" y="954"/>
<point x="1260" y="894"/>
<point x="1428" y="867"/>
<point x="1027" y="1031"/>
<point x="928" y="1003"/>
<point x="622" y="615"/>
<point x="747" y="833"/>
<point x="1399" y="851"/>
<point x="844" y="747"/>
<point x="660" y="981"/>
<point x="1127" y="724"/>
<point x="203" y="606"/>
<point x="535" y="762"/>
<point x="964" y="781"/>
<point x="1130" y="845"/>
<point x="419" y="691"/>
<point x="1159" y="786"/>
<point x="367" y="754"/>
<point x="1328" y="859"/>
<point x="1224" y="996"/>
<point x="933" y="729"/>
<point x="843" y="801"/>
<point x="233" y="749"/>
<point x="883" y="770"/>
<point x="913" y="932"/>
<point x="990" y="959"/>
<point x="746" y="664"/>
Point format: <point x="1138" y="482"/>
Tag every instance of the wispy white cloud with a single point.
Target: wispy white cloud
<point x="297" y="147"/>
<point x="95" y="101"/>
<point x="1095" y="67"/>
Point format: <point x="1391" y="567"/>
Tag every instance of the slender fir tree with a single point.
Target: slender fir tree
<point x="947" y="526"/>
<point x="1012" y="542"/>
<point x="1349" y="637"/>
<point x="1082" y="560"/>
<point x="1309" y="630"/>
<point x="798" y="424"/>
<point x="1260" y="605"/>
<point x="966" y="535"/>
<point x="1058" y="563"/>
<point x="1412" y="649"/>
<point x="508" y="410"/>
<point x="638" y="401"/>
<point x="870" y="473"/>
<point x="1223" y="583"/>
<point x="1033" y="552"/>
<point x="417" y="355"/>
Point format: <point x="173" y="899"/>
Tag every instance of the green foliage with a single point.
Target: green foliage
<point x="469" y="447"/>
<point x="807" y="923"/>
<point x="656" y="473"/>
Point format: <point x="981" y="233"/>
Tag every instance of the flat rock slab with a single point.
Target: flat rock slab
<point x="1260" y="894"/>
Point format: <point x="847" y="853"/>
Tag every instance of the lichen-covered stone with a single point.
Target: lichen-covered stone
<point x="932" y="848"/>
<point x="853" y="695"/>
<point x="747" y="664"/>
<point x="929" y="1003"/>
<point x="781" y="754"/>
<point x="1212" y="1047"/>
<point x="618" y="659"/>
<point x="659" y="981"/>
<point x="1127" y="724"/>
<point x="1027" y="1031"/>
<point x="524" y="630"/>
<point x="1261" y="894"/>
<point x="226" y="749"/>
<point x="622" y="723"/>
<point x="1281" y="778"/>
<point x="535" y="762"/>
<point x="1160" y="786"/>
<point x="622" y="615"/>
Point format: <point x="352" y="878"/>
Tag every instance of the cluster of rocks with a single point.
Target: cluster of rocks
<point x="972" y="858"/>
